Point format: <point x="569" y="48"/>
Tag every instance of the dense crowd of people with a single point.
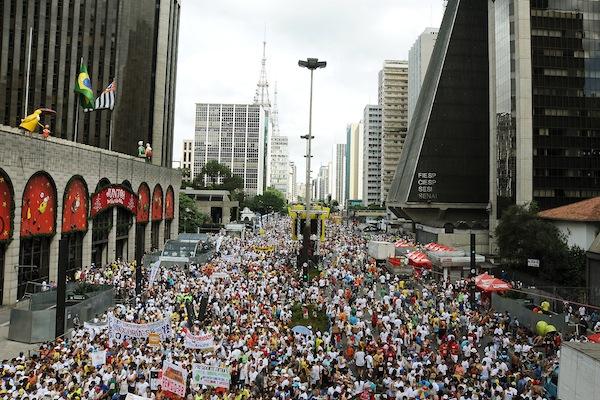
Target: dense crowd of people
<point x="384" y="337"/>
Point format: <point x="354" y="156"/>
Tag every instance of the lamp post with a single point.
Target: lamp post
<point x="311" y="64"/>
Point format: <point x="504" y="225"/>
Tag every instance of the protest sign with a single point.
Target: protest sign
<point x="94" y="328"/>
<point x="219" y="242"/>
<point x="155" y="379"/>
<point x="153" y="339"/>
<point x="209" y="375"/>
<point x="201" y="342"/>
<point x="174" y="378"/>
<point x="154" y="272"/>
<point x="98" y="358"/>
<point x="219" y="275"/>
<point x="121" y="330"/>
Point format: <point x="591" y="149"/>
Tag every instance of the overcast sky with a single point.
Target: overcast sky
<point x="220" y="48"/>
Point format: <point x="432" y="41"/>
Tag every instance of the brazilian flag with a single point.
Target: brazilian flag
<point x="83" y="86"/>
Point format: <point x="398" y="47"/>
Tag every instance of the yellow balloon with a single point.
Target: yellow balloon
<point x="549" y="328"/>
<point x="540" y="327"/>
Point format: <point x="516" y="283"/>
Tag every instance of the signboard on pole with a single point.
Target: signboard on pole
<point x="533" y="262"/>
<point x="211" y="375"/>
<point x="98" y="358"/>
<point x="174" y="379"/>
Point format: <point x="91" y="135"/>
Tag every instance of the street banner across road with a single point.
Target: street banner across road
<point x="121" y="330"/>
<point x="211" y="376"/>
<point x="202" y="342"/>
<point x="174" y="379"/>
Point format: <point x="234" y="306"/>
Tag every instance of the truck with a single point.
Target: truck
<point x="579" y="377"/>
<point x="380" y="251"/>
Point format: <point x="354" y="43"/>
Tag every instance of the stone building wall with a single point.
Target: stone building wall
<point x="23" y="154"/>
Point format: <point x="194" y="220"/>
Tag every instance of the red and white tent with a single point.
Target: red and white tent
<point x="441" y="250"/>
<point x="419" y="259"/>
<point x="489" y="283"/>
<point x="403" y="243"/>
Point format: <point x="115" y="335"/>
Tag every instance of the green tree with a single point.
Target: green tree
<point x="232" y="183"/>
<point x="521" y="234"/>
<point x="213" y="170"/>
<point x="272" y="200"/>
<point x="190" y="217"/>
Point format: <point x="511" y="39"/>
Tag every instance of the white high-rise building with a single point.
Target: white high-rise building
<point x="278" y="165"/>
<point x="234" y="135"/>
<point x="393" y="99"/>
<point x="371" y="176"/>
<point x="354" y="161"/>
<point x="187" y="162"/>
<point x="292" y="193"/>
<point x="418" y="60"/>
<point x="339" y="191"/>
<point x="323" y="183"/>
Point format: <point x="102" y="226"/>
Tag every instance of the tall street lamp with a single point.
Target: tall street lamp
<point x="311" y="64"/>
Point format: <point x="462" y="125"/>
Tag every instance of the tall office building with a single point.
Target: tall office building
<point x="442" y="179"/>
<point x="354" y="161"/>
<point x="418" y="60"/>
<point x="323" y="183"/>
<point x="187" y="161"/>
<point x="234" y="135"/>
<point x="278" y="156"/>
<point x="132" y="42"/>
<point x="545" y="109"/>
<point x="339" y="193"/>
<point x="393" y="99"/>
<point x="371" y="176"/>
<point x="292" y="192"/>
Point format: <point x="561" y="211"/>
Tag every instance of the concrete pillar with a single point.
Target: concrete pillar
<point x="148" y="238"/>
<point x="11" y="260"/>
<point x="86" y="251"/>
<point x="112" y="238"/>
<point x="130" y="255"/>
<point x="161" y="234"/>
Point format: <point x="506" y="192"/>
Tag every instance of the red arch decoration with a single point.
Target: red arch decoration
<point x="38" y="210"/>
<point x="170" y="204"/>
<point x="75" y="206"/>
<point x="143" y="209"/>
<point x="7" y="207"/>
<point x="157" y="203"/>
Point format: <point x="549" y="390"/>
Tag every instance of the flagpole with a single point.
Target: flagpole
<point x="77" y="107"/>
<point x="26" y="106"/>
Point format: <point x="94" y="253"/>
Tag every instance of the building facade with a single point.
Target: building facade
<point x="393" y="99"/>
<point x="339" y="192"/>
<point x="545" y="111"/>
<point x="418" y="60"/>
<point x="278" y="166"/>
<point x="235" y="135"/>
<point x="187" y="161"/>
<point x="354" y="161"/>
<point x="442" y="179"/>
<point x="133" y="43"/>
<point x="323" y="191"/>
<point x="76" y="204"/>
<point x="371" y="177"/>
<point x="292" y="183"/>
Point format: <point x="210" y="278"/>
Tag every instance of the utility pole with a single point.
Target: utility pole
<point x="311" y="64"/>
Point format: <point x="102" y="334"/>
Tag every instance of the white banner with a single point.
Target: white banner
<point x="211" y="376"/>
<point x="202" y="342"/>
<point x="98" y="358"/>
<point x="131" y="396"/>
<point x="153" y="272"/>
<point x="121" y="330"/>
<point x="219" y="275"/>
<point x="94" y="329"/>
<point x="231" y="259"/>
<point x="174" y="378"/>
